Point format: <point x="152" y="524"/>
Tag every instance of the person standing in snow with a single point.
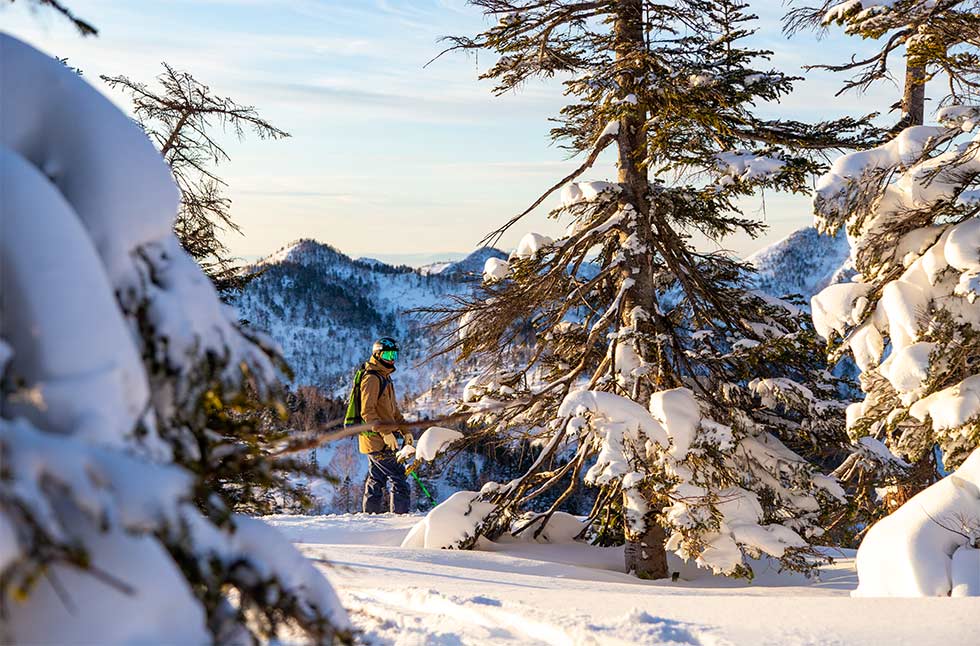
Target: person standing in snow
<point x="379" y="408"/>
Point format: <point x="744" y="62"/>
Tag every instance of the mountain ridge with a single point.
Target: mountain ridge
<point x="804" y="262"/>
<point x="325" y="308"/>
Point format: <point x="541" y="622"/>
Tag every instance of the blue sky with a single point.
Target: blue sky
<point x="386" y="159"/>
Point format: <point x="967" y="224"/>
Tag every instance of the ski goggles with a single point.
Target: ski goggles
<point x="389" y="355"/>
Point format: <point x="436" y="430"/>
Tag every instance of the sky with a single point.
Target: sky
<point x="388" y="157"/>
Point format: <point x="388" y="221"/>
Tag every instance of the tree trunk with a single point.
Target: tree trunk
<point x="913" y="114"/>
<point x="924" y="473"/>
<point x="645" y="552"/>
<point x="914" y="97"/>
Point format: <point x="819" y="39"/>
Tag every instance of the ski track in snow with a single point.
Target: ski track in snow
<point x="484" y="619"/>
<point x="528" y="593"/>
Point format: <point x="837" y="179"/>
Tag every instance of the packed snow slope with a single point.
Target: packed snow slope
<point x="530" y="593"/>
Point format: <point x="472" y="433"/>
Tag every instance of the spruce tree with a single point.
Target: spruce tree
<point x="645" y="353"/>
<point x="908" y="316"/>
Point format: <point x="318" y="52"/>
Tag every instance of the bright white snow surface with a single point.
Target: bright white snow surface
<point x="495" y="269"/>
<point x="529" y="593"/>
<point x="925" y="548"/>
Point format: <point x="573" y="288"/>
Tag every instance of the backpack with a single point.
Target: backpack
<point x="353" y="416"/>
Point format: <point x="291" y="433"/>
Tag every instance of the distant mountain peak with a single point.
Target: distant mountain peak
<point x="804" y="262"/>
<point x="325" y="309"/>
<point x="301" y="251"/>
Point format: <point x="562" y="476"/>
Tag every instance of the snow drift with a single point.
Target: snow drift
<point x="928" y="546"/>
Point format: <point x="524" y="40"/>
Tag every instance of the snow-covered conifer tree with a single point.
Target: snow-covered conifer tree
<point x="936" y="38"/>
<point x="908" y="316"/>
<point x="649" y="360"/>
<point x="120" y="464"/>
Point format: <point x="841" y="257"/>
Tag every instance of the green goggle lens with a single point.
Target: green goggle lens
<point x="389" y="355"/>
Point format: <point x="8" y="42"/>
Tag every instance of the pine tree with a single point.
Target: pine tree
<point x="690" y="376"/>
<point x="182" y="117"/>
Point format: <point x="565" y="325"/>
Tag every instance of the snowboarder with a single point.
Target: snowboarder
<point x="379" y="408"/>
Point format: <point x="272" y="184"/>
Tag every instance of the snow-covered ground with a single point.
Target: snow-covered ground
<point x="529" y="593"/>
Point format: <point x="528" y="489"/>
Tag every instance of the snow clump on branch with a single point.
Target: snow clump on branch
<point x="672" y="442"/>
<point x="531" y="244"/>
<point x="434" y="441"/>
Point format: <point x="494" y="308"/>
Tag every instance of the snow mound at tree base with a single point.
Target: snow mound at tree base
<point x="452" y="522"/>
<point x="927" y="547"/>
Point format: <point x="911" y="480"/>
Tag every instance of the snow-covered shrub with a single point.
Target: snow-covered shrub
<point x="117" y="365"/>
<point x="910" y="316"/>
<point x="928" y="547"/>
<point x="452" y="524"/>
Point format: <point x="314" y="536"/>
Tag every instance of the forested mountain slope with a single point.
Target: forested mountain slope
<point x="325" y="309"/>
<point x="804" y="262"/>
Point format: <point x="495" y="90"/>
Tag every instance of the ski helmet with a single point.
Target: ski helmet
<point x="385" y="348"/>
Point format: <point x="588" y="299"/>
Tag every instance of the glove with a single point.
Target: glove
<point x="406" y="453"/>
<point x="390" y="441"/>
<point x="409" y="440"/>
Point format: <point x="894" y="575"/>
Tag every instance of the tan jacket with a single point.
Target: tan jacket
<point x="378" y="408"/>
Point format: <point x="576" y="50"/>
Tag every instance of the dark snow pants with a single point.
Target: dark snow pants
<point x="383" y="467"/>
